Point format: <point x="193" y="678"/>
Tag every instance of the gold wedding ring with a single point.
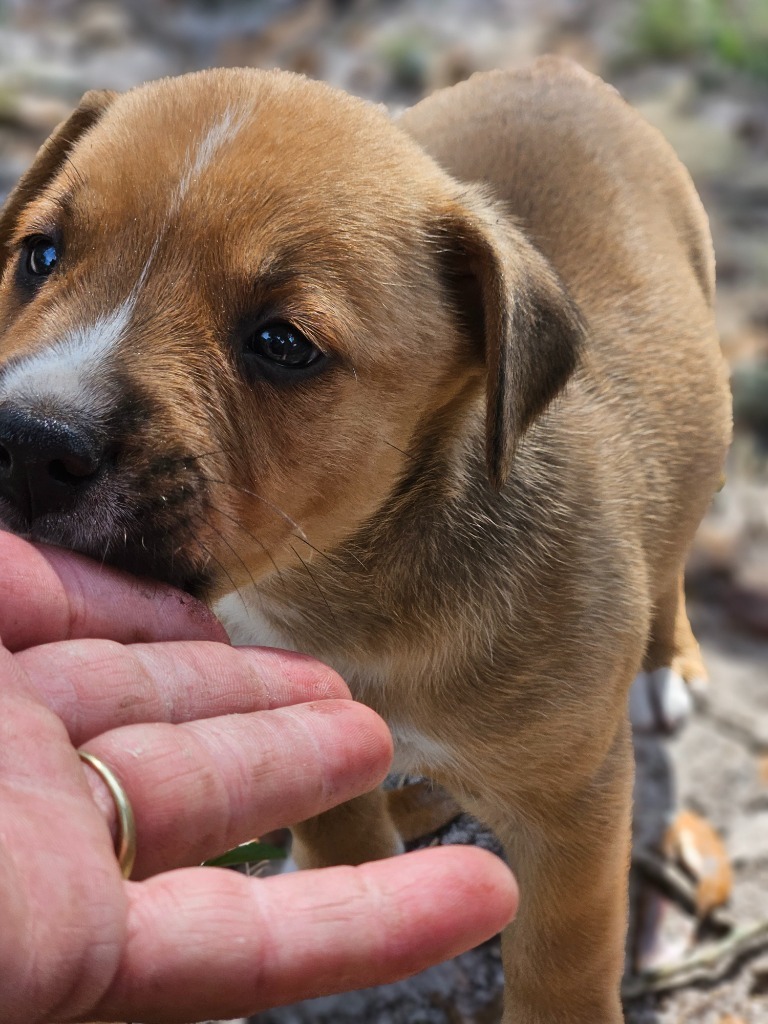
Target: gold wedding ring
<point x="125" y="842"/>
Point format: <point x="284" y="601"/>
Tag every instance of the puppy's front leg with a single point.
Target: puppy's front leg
<point x="356" y="832"/>
<point x="564" y="953"/>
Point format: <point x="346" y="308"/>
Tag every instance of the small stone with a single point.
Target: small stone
<point x="748" y="842"/>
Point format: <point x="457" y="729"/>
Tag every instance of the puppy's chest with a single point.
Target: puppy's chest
<point x="390" y="689"/>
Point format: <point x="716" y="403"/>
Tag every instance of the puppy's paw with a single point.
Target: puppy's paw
<point x="690" y="665"/>
<point x="288" y="866"/>
<point x="659" y="702"/>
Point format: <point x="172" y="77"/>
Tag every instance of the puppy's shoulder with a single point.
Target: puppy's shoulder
<point x="487" y="89"/>
<point x="572" y="160"/>
<point x="548" y="115"/>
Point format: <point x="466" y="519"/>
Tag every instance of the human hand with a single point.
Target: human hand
<point x="213" y="745"/>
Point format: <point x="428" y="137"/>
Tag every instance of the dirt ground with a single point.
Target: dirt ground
<point x="706" y="86"/>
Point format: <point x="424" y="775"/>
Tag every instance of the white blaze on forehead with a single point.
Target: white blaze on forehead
<point x="71" y="370"/>
<point x="219" y="134"/>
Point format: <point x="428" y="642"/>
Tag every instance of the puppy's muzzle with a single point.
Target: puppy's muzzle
<point x="47" y="463"/>
<point x="103" y="485"/>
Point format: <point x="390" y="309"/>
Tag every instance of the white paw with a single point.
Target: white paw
<point x="288" y="866"/>
<point x="659" y="702"/>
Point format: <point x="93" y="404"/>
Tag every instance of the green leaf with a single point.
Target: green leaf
<point x="246" y="853"/>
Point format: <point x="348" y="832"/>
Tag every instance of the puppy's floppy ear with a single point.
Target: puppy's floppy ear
<point x="49" y="161"/>
<point x="514" y="304"/>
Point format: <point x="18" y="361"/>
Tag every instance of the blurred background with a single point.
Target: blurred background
<point x="698" y="69"/>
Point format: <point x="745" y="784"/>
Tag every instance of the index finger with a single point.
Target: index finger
<point x="261" y="943"/>
<point x="48" y="594"/>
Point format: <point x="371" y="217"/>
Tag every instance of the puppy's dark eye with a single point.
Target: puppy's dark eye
<point x="282" y="345"/>
<point x="42" y="256"/>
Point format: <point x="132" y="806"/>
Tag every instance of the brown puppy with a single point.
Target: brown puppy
<point x="265" y="344"/>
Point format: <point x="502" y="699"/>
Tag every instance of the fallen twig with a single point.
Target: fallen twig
<point x="706" y="964"/>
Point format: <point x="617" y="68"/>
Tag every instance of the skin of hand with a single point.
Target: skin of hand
<point x="214" y="745"/>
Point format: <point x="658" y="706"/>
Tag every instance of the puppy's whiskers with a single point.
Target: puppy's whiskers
<point x="270" y="504"/>
<point x="329" y="558"/>
<point x="298" y="533"/>
<point x="104" y="552"/>
<point x="319" y="589"/>
<point x="400" y="450"/>
<point x="251" y="536"/>
<point x="235" y="588"/>
<point x="235" y="553"/>
<point x="189" y="457"/>
<point x="300" y="536"/>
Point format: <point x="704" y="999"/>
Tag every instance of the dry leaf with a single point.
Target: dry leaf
<point x="692" y="843"/>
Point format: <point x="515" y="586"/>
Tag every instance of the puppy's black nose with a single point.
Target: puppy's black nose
<point x="46" y="462"/>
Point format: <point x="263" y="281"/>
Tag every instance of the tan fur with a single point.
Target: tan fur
<point x="489" y="559"/>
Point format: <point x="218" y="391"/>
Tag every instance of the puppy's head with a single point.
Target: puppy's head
<point x="233" y="307"/>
